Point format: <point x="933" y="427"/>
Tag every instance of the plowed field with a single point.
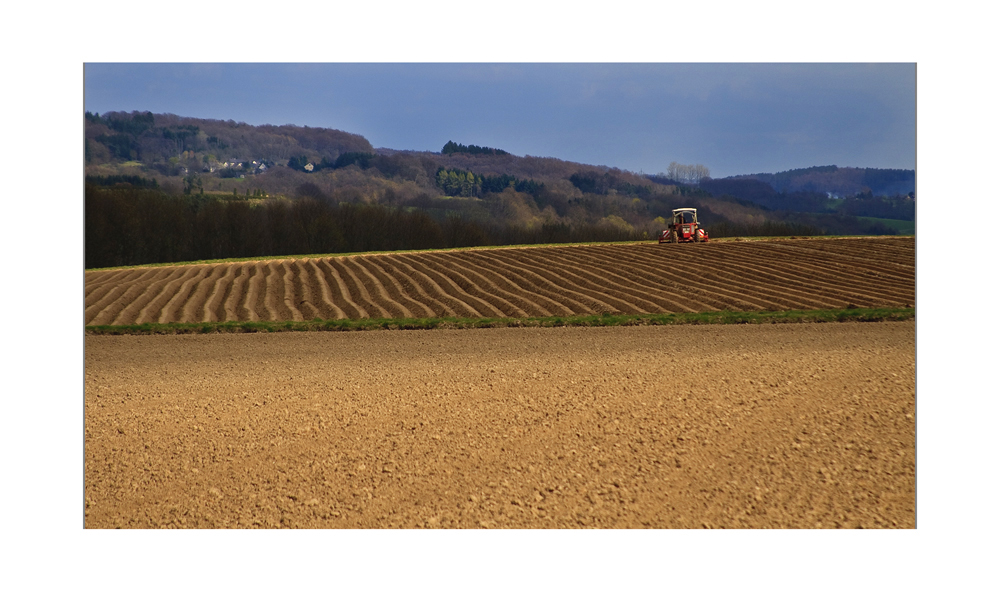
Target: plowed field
<point x="516" y="282"/>
<point x="746" y="426"/>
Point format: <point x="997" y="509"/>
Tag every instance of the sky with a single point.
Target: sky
<point x="734" y="118"/>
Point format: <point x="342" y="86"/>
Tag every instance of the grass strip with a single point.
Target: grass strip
<point x="724" y="317"/>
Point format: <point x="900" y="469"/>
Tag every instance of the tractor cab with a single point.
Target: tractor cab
<point x="684" y="227"/>
<point x="685" y="216"/>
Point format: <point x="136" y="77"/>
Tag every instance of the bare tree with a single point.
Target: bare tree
<point x="687" y="173"/>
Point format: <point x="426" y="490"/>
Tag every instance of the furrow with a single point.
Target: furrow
<point x="171" y="309"/>
<point x="193" y="310"/>
<point x="751" y="278"/>
<point x="898" y="250"/>
<point x="254" y="294"/>
<point x="214" y="310"/>
<point x="232" y="305"/>
<point x="584" y="271"/>
<point x="581" y="289"/>
<point x="377" y="290"/>
<point x="422" y="287"/>
<point x="291" y="296"/>
<point x="320" y="289"/>
<point x="110" y="313"/>
<point x="885" y="270"/>
<point x="832" y="290"/>
<point x="131" y="310"/>
<point x="111" y="293"/>
<point x="334" y="288"/>
<point x="153" y="306"/>
<point x="308" y="290"/>
<point x="461" y="300"/>
<point x="864" y="281"/>
<point x="652" y="274"/>
<point x="901" y="251"/>
<point x="359" y="293"/>
<point x="870" y="264"/>
<point x="829" y="280"/>
<point x="536" y="290"/>
<point x="698" y="280"/>
<point x="94" y="293"/>
<point x="274" y="292"/>
<point x="605" y="270"/>
<point x="394" y="289"/>
<point x="457" y="276"/>
<point x="497" y="297"/>
<point x="533" y="304"/>
<point x="94" y="279"/>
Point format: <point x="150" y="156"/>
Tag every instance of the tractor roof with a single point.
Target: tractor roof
<point x="685" y="209"/>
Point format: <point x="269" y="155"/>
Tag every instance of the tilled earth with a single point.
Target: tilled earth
<point x="760" y="426"/>
<point x="871" y="272"/>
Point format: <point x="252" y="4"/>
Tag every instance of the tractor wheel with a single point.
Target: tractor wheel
<point x="673" y="237"/>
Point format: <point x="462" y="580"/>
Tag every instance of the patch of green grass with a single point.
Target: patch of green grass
<point x="725" y="317"/>
<point x="904" y="227"/>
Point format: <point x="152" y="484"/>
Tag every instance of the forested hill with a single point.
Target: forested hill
<point x="218" y="189"/>
<point x="839" y="181"/>
<point x="169" y="144"/>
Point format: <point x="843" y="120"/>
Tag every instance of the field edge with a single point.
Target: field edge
<point x="290" y="257"/>
<point x="346" y="325"/>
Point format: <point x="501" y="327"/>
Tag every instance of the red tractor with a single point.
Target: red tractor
<point x="684" y="227"/>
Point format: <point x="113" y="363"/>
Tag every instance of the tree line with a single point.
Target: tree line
<point x="840" y="180"/>
<point x="453" y="148"/>
<point x="866" y="204"/>
<point x="135" y="225"/>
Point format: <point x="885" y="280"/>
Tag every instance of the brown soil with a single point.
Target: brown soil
<point x="786" y="426"/>
<point x="518" y="282"/>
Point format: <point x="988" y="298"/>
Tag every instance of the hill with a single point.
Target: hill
<point x="214" y="189"/>
<point x="839" y="181"/>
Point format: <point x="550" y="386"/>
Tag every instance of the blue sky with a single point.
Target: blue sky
<point x="732" y="118"/>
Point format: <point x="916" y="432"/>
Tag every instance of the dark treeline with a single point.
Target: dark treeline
<point x="801" y="224"/>
<point x="453" y="148"/>
<point x="132" y="225"/>
<point x="868" y="205"/>
<point x="897" y="207"/>
<point x="121" y="179"/>
<point x="840" y="180"/>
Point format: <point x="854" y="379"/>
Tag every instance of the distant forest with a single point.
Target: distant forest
<point x="165" y="188"/>
<point x="840" y="181"/>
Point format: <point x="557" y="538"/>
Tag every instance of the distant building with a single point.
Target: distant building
<point x="309" y="167"/>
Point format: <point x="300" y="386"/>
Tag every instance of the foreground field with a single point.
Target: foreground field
<point x="648" y="426"/>
<point x="516" y="283"/>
